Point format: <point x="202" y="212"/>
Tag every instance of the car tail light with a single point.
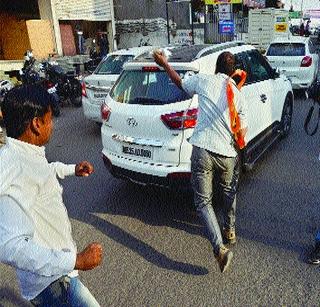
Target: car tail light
<point x="105" y="112"/>
<point x="83" y="89"/>
<point x="306" y="61"/>
<point x="180" y="120"/>
<point x="150" y="68"/>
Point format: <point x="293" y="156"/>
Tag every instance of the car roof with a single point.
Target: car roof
<point x="132" y="51"/>
<point x="291" y="39"/>
<point x="189" y="53"/>
<point x="184" y="57"/>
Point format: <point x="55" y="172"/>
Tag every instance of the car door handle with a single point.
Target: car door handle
<point x="263" y="98"/>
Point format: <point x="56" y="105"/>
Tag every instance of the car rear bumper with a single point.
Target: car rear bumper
<point x="91" y="110"/>
<point x="176" y="178"/>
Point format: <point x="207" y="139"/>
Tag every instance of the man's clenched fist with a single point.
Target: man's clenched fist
<point x="84" y="169"/>
<point x="89" y="258"/>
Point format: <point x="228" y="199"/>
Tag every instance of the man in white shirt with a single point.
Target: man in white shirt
<point x="35" y="231"/>
<point x="214" y="153"/>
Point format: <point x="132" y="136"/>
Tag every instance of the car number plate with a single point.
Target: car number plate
<point x="137" y="151"/>
<point x="100" y="95"/>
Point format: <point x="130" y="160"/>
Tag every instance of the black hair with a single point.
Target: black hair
<point x="225" y="63"/>
<point x="21" y="105"/>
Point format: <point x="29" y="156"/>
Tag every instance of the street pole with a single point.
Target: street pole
<point x="168" y="26"/>
<point x="301" y="11"/>
<point x="192" y="30"/>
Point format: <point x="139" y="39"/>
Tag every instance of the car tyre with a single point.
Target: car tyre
<point x="286" y="118"/>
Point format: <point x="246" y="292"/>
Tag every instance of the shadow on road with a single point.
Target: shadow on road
<point x="144" y="250"/>
<point x="9" y="298"/>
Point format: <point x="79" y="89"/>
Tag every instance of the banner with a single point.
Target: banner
<point x="226" y="27"/>
<point x="214" y="2"/>
<point x="281" y="27"/>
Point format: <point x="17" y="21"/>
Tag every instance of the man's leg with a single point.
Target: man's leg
<point x="55" y="295"/>
<point x="66" y="292"/>
<point x="80" y="295"/>
<point x="228" y="181"/>
<point x="202" y="175"/>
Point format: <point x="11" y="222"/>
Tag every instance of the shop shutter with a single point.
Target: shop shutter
<point x="94" y="10"/>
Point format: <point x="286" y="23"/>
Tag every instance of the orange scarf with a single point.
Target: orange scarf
<point x="234" y="116"/>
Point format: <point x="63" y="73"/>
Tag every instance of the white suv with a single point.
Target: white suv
<point x="95" y="87"/>
<point x="147" y="120"/>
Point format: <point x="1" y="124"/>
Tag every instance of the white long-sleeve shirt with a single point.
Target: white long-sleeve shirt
<point x="35" y="231"/>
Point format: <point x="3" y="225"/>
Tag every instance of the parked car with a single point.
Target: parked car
<point x="297" y="58"/>
<point x="147" y="119"/>
<point x="95" y="87"/>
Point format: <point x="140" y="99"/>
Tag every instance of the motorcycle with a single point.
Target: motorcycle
<point x="5" y="87"/>
<point x="66" y="85"/>
<point x="28" y="73"/>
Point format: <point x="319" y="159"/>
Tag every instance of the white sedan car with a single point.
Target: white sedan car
<point x="297" y="58"/>
<point x="95" y="87"/>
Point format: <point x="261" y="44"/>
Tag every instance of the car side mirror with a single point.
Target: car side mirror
<point x="276" y="73"/>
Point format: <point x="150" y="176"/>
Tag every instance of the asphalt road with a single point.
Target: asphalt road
<point x="155" y="248"/>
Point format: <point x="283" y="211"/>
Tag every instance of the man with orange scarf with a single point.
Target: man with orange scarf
<point x="218" y="136"/>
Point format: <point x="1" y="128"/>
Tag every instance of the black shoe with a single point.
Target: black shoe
<point x="315" y="255"/>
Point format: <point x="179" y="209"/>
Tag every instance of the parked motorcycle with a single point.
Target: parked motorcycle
<point x="67" y="85"/>
<point x="28" y="73"/>
<point x="5" y="87"/>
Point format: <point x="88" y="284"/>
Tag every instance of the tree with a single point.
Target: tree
<point x="274" y="3"/>
<point x="197" y="5"/>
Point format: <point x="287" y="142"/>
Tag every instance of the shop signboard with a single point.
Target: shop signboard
<point x="226" y="27"/>
<point x="281" y="27"/>
<point x="295" y="15"/>
<point x="225" y="12"/>
<point x="214" y="2"/>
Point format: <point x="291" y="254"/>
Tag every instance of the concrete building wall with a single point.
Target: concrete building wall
<point x="145" y="21"/>
<point x="149" y="9"/>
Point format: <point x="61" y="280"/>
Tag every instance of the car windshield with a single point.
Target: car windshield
<point x="147" y="88"/>
<point x="113" y="64"/>
<point x="287" y="49"/>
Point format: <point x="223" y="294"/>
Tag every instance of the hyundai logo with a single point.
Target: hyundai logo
<point x="132" y="122"/>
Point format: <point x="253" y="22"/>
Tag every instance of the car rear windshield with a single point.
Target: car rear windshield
<point x="113" y="64"/>
<point x="147" y="88"/>
<point x="287" y="49"/>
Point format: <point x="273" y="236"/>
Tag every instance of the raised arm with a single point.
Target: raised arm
<point x="162" y="61"/>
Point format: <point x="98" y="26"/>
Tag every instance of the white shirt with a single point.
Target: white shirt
<point x="35" y="231"/>
<point x="212" y="131"/>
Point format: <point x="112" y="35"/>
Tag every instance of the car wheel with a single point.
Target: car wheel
<point x="286" y="118"/>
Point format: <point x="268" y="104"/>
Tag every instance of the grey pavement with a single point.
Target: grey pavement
<point x="155" y="248"/>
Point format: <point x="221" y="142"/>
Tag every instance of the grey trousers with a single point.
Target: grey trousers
<point x="210" y="173"/>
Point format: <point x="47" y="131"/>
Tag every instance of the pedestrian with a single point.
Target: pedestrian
<point x="104" y="45"/>
<point x="302" y="29"/>
<point x="307" y="30"/>
<point x="35" y="231"/>
<point x="215" y="160"/>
